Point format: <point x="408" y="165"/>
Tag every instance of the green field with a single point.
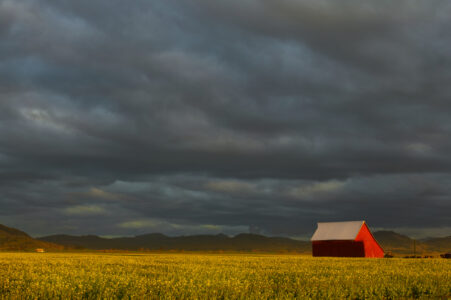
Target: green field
<point x="211" y="276"/>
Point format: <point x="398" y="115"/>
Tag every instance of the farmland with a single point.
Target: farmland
<point x="227" y="276"/>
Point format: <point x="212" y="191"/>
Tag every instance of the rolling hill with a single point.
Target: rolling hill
<point x="401" y="244"/>
<point x="12" y="239"/>
<point x="440" y="244"/>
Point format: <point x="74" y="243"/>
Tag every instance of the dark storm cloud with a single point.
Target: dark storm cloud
<point x="201" y="116"/>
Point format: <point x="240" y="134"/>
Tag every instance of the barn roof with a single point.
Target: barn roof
<point x="327" y="231"/>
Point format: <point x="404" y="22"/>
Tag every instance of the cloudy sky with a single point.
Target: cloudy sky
<point x="198" y="116"/>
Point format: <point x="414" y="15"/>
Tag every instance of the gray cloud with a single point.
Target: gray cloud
<point x="203" y="117"/>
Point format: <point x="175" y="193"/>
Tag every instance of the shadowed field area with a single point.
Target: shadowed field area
<point x="190" y="276"/>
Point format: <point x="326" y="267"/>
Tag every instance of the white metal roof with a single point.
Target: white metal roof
<point x="327" y="231"/>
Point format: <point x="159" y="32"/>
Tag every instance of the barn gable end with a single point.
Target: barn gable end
<point x="372" y="247"/>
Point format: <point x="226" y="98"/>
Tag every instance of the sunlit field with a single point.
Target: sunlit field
<point x="211" y="276"/>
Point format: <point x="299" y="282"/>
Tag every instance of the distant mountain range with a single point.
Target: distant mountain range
<point x="12" y="240"/>
<point x="389" y="240"/>
<point x="157" y="241"/>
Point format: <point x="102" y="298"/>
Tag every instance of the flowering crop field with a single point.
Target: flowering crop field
<point x="212" y="276"/>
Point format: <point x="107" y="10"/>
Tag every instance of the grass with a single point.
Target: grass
<point x="213" y="276"/>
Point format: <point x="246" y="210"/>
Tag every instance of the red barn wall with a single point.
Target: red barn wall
<point x="372" y="248"/>
<point x="338" y="248"/>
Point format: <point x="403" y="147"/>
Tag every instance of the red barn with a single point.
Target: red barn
<point x="345" y="239"/>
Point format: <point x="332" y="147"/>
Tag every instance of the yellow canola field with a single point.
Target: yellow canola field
<point x="213" y="276"/>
